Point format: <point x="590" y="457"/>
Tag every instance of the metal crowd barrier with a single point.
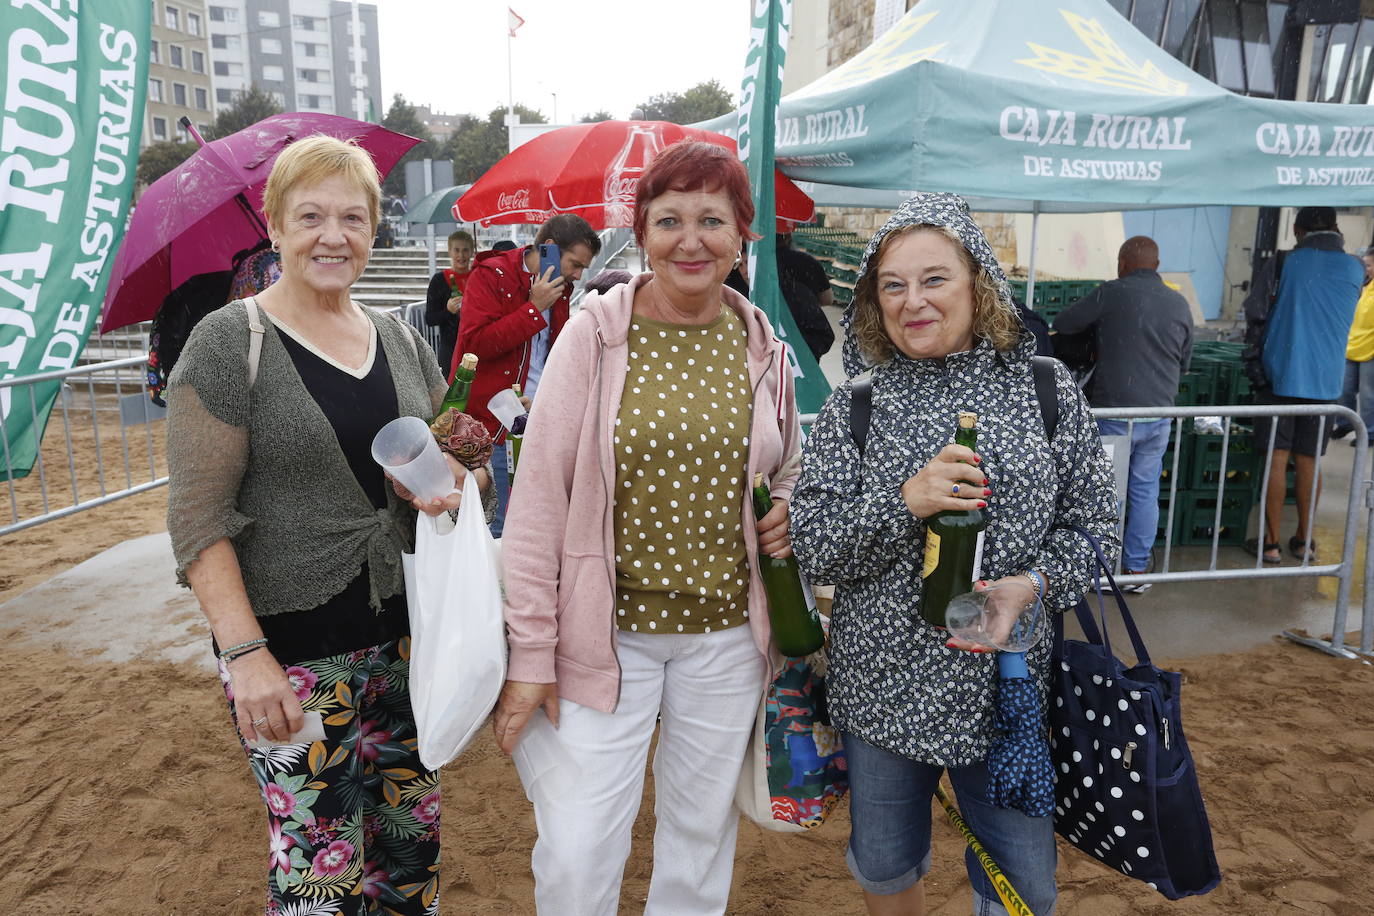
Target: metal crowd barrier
<point x="97" y="403"/>
<point x="1358" y="509"/>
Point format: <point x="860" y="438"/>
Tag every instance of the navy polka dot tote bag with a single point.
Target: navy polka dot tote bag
<point x="1126" y="792"/>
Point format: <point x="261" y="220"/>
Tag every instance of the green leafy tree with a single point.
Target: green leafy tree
<point x="700" y="103"/>
<point x="247" y="110"/>
<point x="480" y="145"/>
<point x="403" y="118"/>
<point x="602" y="115"/>
<point x="157" y="159"/>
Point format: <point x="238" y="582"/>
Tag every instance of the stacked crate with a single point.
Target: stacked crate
<point x="1216" y="376"/>
<point x="1053" y="296"/>
<point x="839" y="252"/>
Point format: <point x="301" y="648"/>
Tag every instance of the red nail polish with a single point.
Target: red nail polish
<point x="977" y="460"/>
<point x="987" y="491"/>
<point x="982" y="504"/>
<point x="950" y="644"/>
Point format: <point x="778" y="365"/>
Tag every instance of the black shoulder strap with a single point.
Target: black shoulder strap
<point x="1042" y="368"/>
<point x="860" y="410"/>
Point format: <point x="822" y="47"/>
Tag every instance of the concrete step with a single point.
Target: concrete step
<point x="383" y="300"/>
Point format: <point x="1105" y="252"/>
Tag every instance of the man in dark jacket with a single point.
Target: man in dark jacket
<point x="1144" y="333"/>
<point x="512" y="314"/>
<point x="805" y="288"/>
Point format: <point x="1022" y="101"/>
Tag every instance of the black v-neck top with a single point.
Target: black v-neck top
<point x="356" y="408"/>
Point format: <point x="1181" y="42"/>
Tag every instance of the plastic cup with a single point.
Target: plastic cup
<point x="506" y="407"/>
<point x="405" y="448"/>
<point x="998" y="617"/>
<point x="541" y="760"/>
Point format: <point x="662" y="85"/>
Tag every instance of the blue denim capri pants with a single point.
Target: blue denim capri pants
<point x="889" y="841"/>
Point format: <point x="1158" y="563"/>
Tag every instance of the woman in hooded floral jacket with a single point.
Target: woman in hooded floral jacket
<point x="933" y="316"/>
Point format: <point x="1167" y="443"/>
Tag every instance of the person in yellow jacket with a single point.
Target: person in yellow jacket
<point x="1359" y="357"/>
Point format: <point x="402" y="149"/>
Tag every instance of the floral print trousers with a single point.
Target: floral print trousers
<point x="353" y="820"/>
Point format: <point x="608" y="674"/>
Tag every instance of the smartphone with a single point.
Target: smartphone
<point x="550" y="256"/>
<point x="311" y="731"/>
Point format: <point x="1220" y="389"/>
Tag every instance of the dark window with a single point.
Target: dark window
<point x="1337" y="59"/>
<point x="224" y="96"/>
<point x="1259" y="66"/>
<point x="219" y="41"/>
<point x="1148" y="16"/>
<point x="174" y="56"/>
<point x="1180" y="32"/>
<point x="1227" y="51"/>
<point x="1277" y="13"/>
<point x="202" y="98"/>
<point x="1358" y="74"/>
<point x="1321" y="37"/>
<point x="1200" y="56"/>
<point x="179" y="94"/>
<point x="1122" y="6"/>
<point x="221" y="68"/>
<point x="197" y="61"/>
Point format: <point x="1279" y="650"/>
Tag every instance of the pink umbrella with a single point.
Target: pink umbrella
<point x="196" y="217"/>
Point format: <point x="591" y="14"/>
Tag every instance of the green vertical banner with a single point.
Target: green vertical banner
<point x="74" y="87"/>
<point x="772" y="23"/>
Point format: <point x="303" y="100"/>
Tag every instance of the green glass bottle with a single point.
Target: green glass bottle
<point x="954" y="544"/>
<point x="791" y="608"/>
<point x="457" y="394"/>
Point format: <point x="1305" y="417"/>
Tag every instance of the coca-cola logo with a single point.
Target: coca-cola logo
<point x="621" y="187"/>
<point x="514" y="200"/>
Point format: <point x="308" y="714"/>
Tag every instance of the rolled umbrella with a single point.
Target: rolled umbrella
<point x="1020" y="773"/>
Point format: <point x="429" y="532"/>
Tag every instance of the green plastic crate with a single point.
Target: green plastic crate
<point x="1242" y="463"/>
<point x="1196" y="388"/>
<point x="1195" y="517"/>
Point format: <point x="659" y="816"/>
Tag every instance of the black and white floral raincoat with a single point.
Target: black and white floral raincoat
<point x="892" y="681"/>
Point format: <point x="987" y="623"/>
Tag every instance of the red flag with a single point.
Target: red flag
<point x="513" y="21"/>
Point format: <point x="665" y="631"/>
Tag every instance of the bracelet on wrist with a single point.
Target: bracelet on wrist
<point x="250" y="644"/>
<point x="1038" y="582"/>
<point x="228" y="659"/>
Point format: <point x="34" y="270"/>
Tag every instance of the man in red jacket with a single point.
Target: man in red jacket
<point x="511" y="317"/>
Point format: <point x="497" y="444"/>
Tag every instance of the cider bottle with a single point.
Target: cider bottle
<point x="457" y="394"/>
<point x="954" y="543"/>
<point x="791" y="609"/>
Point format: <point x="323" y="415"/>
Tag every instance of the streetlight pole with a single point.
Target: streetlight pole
<point x="555" y="106"/>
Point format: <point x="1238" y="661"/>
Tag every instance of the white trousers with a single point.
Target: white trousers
<point x="706" y="688"/>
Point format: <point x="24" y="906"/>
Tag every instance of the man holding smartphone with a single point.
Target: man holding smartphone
<point x="514" y="307"/>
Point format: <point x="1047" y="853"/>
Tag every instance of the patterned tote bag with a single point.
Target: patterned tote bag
<point x="794" y="768"/>
<point x="1126" y="791"/>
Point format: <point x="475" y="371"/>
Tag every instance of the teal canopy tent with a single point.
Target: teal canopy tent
<point x="1064" y="106"/>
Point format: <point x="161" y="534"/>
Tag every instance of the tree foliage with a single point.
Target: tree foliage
<point x="700" y="103"/>
<point x="403" y="118"/>
<point x="594" y="117"/>
<point x="157" y="159"/>
<point x="477" y="144"/>
<point x="247" y="110"/>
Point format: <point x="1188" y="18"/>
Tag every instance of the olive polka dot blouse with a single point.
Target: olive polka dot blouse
<point x="681" y="447"/>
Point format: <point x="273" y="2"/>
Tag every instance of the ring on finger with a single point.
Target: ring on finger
<point x="955" y="490"/>
<point x="260" y="721"/>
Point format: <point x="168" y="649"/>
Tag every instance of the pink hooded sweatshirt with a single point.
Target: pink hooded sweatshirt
<point x="558" y="550"/>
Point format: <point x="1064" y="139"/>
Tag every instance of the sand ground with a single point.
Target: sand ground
<point x="127" y="793"/>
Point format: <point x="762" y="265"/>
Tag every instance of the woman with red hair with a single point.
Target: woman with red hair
<point x="631" y="552"/>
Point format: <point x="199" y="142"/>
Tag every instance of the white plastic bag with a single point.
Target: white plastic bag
<point x="458" y="634"/>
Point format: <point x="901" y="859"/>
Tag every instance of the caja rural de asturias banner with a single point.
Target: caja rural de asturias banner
<point x="75" y="77"/>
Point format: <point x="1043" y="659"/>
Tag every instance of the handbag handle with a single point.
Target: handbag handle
<point x="1142" y="654"/>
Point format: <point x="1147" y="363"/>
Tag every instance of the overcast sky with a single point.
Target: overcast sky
<point x="595" y="54"/>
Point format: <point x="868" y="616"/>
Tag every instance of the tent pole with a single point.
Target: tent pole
<point x="1030" y="268"/>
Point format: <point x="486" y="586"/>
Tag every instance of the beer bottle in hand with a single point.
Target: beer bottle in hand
<point x="791" y="608"/>
<point x="457" y="394"/>
<point x="954" y="544"/>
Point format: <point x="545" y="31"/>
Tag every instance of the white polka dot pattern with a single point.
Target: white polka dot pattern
<point x="681" y="448"/>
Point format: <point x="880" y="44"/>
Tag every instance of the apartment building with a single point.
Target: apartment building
<point x="300" y="51"/>
<point x="179" y="81"/>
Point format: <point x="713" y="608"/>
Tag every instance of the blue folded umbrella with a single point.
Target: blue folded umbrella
<point x="1020" y="774"/>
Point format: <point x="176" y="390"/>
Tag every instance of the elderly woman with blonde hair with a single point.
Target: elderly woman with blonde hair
<point x="932" y="316"/>
<point x="291" y="538"/>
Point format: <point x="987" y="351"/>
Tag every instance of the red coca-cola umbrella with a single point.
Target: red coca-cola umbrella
<point x="593" y="170"/>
